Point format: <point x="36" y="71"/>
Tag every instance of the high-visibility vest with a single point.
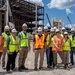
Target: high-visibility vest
<point x="13" y="45"/>
<point x="62" y="35"/>
<point x="1" y="43"/>
<point x="39" y="41"/>
<point x="66" y="46"/>
<point x="58" y="42"/>
<point x="45" y="34"/>
<point x="49" y="41"/>
<point x="5" y="37"/>
<point x="72" y="41"/>
<point x="24" y="39"/>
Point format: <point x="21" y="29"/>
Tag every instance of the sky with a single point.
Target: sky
<point x="58" y="9"/>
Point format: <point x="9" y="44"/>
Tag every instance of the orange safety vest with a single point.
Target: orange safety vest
<point x="58" y="42"/>
<point x="1" y="43"/>
<point x="39" y="42"/>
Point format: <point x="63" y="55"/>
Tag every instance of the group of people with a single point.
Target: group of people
<point x="53" y="43"/>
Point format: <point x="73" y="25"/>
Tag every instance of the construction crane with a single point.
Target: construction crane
<point x="69" y="21"/>
<point x="48" y="20"/>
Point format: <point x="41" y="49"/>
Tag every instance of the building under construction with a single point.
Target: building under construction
<point x="23" y="12"/>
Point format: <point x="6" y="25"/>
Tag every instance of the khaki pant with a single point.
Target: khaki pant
<point x="55" y="56"/>
<point x="37" y="53"/>
<point x="23" y="56"/>
<point x="3" y="57"/>
<point x="66" y="57"/>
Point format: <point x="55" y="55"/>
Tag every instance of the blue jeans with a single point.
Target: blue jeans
<point x="71" y="55"/>
<point x="48" y="56"/>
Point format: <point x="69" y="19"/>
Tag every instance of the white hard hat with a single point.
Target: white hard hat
<point x="24" y="25"/>
<point x="6" y="27"/>
<point x="45" y="27"/>
<point x="39" y="29"/>
<point x="65" y="33"/>
<point x="63" y="28"/>
<point x="72" y="29"/>
<point x="51" y="30"/>
<point x="57" y="30"/>
<point x="14" y="30"/>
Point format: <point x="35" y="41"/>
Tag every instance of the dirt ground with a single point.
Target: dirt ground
<point x="45" y="71"/>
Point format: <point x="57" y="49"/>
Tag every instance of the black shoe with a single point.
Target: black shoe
<point x="48" y="66"/>
<point x="24" y="68"/>
<point x="35" y="69"/>
<point x="40" y="68"/>
<point x="9" y="71"/>
<point x="20" y="69"/>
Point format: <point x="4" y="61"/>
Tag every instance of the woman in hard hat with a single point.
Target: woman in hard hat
<point x="66" y="49"/>
<point x="12" y="46"/>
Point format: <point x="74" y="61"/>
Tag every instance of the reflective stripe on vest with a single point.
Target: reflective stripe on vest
<point x="66" y="46"/>
<point x="24" y="39"/>
<point x="58" y="42"/>
<point x="39" y="42"/>
<point x="49" y="40"/>
<point x="13" y="45"/>
<point x="5" y="36"/>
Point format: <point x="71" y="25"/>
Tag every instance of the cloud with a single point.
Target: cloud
<point x="68" y="11"/>
<point x="37" y="1"/>
<point x="62" y="4"/>
<point x="70" y="26"/>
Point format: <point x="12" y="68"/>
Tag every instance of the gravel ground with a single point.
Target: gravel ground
<point x="45" y="71"/>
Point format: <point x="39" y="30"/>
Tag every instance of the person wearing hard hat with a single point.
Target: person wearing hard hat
<point x="63" y="30"/>
<point x="45" y="31"/>
<point x="72" y="38"/>
<point x="39" y="46"/>
<point x="57" y="47"/>
<point x="24" y="47"/>
<point x="12" y="46"/>
<point x="5" y="36"/>
<point x="49" y="45"/>
<point x="66" y="50"/>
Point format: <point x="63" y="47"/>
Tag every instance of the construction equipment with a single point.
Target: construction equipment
<point x="69" y="21"/>
<point x="48" y="20"/>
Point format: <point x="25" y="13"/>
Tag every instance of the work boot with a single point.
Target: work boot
<point x="24" y="68"/>
<point x="20" y="69"/>
<point x="35" y="69"/>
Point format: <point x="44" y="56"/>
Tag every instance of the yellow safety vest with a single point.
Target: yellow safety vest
<point x="48" y="41"/>
<point x="24" y="39"/>
<point x="5" y="36"/>
<point x="13" y="45"/>
<point x="72" y="41"/>
<point x="66" y="46"/>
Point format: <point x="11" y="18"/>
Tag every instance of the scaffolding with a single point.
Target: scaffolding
<point x="26" y="12"/>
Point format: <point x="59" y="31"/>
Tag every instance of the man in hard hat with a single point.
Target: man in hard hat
<point x="57" y="47"/>
<point x="5" y="36"/>
<point x="24" y="47"/>
<point x="39" y="45"/>
<point x="72" y="38"/>
<point x="63" y="30"/>
<point x="49" y="45"/>
<point x="12" y="46"/>
<point x="45" y="31"/>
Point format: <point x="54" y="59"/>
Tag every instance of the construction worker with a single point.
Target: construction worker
<point x="66" y="49"/>
<point x="49" y="45"/>
<point x="45" y="31"/>
<point x="5" y="36"/>
<point x="57" y="47"/>
<point x="39" y="45"/>
<point x="1" y="44"/>
<point x="63" y="30"/>
<point x="72" y="38"/>
<point x="12" y="46"/>
<point x="24" y="47"/>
